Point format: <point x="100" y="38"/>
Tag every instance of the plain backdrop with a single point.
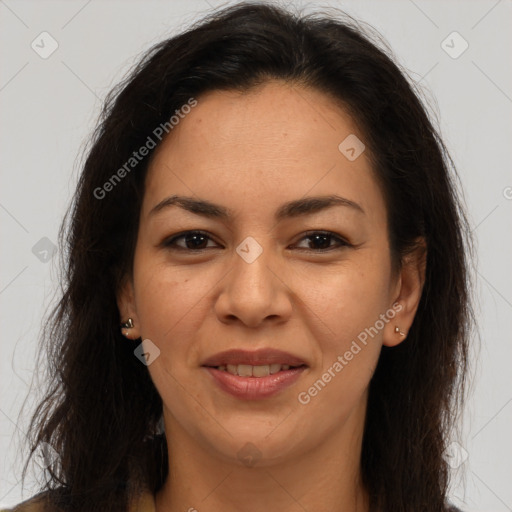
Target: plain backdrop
<point x="458" y="52"/>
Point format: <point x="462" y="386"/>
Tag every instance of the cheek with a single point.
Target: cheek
<point x="349" y="344"/>
<point x="173" y="303"/>
<point x="345" y="299"/>
<point x="344" y="310"/>
<point x="171" y="308"/>
<point x="169" y="297"/>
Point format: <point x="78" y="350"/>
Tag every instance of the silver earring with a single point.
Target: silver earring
<point x="128" y="324"/>
<point x="397" y="330"/>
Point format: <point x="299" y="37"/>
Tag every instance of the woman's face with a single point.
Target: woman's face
<point x="255" y="280"/>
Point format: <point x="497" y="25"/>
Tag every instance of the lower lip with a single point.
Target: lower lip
<point x="255" y="388"/>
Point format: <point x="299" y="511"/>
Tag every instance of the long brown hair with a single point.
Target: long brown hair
<point x="101" y="408"/>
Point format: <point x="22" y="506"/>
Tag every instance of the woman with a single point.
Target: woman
<point x="266" y="299"/>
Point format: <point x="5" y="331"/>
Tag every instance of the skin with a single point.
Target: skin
<point x="251" y="152"/>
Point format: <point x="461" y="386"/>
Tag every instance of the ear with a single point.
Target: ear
<point x="127" y="309"/>
<point x="407" y="294"/>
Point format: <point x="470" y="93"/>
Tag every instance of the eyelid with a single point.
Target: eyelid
<point x="169" y="241"/>
<point x="342" y="242"/>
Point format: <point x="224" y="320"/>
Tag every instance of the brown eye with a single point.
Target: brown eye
<point x="196" y="241"/>
<point x="192" y="241"/>
<point x="320" y="241"/>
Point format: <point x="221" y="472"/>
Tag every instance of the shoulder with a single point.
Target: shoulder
<point x="142" y="502"/>
<point x="33" y="504"/>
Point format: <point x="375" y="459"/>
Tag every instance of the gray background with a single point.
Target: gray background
<point x="49" y="107"/>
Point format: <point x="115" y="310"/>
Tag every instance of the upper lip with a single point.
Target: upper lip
<point x="257" y="357"/>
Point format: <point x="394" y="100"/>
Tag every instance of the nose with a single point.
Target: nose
<point x="254" y="293"/>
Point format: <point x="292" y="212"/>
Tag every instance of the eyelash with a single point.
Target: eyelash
<point x="170" y="243"/>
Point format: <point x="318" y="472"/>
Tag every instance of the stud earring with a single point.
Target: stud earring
<point x="128" y="324"/>
<point x="397" y="330"/>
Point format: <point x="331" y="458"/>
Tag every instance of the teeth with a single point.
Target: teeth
<point x="244" y="370"/>
<point x="247" y="370"/>
<point x="274" y="368"/>
<point x="260" y="371"/>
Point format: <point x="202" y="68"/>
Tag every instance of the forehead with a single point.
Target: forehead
<point x="249" y="150"/>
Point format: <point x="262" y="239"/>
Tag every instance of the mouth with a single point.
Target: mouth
<point x="254" y="374"/>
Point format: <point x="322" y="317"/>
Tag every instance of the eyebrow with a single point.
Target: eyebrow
<point x="296" y="208"/>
